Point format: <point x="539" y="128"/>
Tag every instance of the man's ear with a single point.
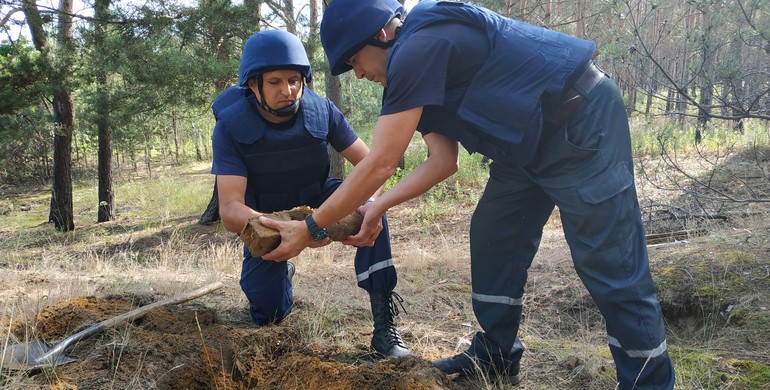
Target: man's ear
<point x="254" y="86"/>
<point x="382" y="36"/>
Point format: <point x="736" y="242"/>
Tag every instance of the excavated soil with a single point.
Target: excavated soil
<point x="187" y="347"/>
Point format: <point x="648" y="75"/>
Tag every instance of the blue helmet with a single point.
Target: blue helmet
<point x="270" y="50"/>
<point x="349" y="25"/>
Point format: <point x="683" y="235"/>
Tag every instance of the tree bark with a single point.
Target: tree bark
<point x="175" y="127"/>
<point x="735" y="85"/>
<point x="333" y="92"/>
<point x="706" y="86"/>
<point x="580" y="29"/>
<point x="106" y="205"/>
<point x="681" y="102"/>
<point x="106" y="208"/>
<point x="35" y="23"/>
<point x="197" y="142"/>
<point x="147" y="156"/>
<point x="61" y="212"/>
<point x="64" y="115"/>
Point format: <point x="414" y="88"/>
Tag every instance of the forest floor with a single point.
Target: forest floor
<point x="713" y="280"/>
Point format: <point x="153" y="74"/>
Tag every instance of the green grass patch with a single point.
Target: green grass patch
<point x="752" y="374"/>
<point x="701" y="369"/>
<point x="142" y="205"/>
<point x="651" y="137"/>
<point x="164" y="197"/>
<point x="696" y="368"/>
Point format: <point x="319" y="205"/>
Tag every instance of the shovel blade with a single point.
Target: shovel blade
<point x="26" y="356"/>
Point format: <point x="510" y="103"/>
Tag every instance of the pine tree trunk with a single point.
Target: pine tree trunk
<point x="175" y="126"/>
<point x="196" y="142"/>
<point x="61" y="211"/>
<point x="106" y="205"/>
<point x="333" y="92"/>
<point x="106" y="208"/>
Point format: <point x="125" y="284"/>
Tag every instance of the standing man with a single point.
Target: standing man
<point x="270" y="154"/>
<point x="555" y="126"/>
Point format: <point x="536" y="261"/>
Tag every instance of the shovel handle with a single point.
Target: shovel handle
<point x="130" y="316"/>
<point x="141" y="311"/>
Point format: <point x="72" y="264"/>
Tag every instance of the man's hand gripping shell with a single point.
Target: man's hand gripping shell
<point x="370" y="228"/>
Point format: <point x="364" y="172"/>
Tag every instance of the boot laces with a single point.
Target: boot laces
<point x="394" y="301"/>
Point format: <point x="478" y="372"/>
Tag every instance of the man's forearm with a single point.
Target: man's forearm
<point x="416" y="183"/>
<point x="391" y="137"/>
<point x="236" y="215"/>
<point x="367" y="178"/>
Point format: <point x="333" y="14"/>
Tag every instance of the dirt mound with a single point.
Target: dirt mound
<point x="187" y="347"/>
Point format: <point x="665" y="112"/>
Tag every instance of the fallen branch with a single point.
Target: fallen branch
<point x="657" y="238"/>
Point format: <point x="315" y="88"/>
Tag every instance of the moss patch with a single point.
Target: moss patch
<point x="751" y="374"/>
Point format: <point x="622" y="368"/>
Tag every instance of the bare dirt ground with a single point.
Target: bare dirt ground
<point x="713" y="288"/>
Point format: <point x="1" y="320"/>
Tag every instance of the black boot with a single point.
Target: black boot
<point x="470" y="367"/>
<point x="290" y="270"/>
<point x="386" y="340"/>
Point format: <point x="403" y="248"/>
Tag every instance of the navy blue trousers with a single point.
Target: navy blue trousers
<point x="585" y="168"/>
<point x="270" y="293"/>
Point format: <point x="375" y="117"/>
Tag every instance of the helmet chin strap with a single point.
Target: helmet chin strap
<point x="387" y="44"/>
<point x="284" y="112"/>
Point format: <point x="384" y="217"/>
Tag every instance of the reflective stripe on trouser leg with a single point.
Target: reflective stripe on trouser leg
<point x="611" y="260"/>
<point x="505" y="234"/>
<point x="266" y="285"/>
<point x="374" y="265"/>
<point x="588" y="172"/>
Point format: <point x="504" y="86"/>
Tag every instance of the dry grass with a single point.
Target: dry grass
<point x="154" y="248"/>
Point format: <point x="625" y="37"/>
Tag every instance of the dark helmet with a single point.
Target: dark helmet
<point x="270" y="50"/>
<point x="349" y="25"/>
